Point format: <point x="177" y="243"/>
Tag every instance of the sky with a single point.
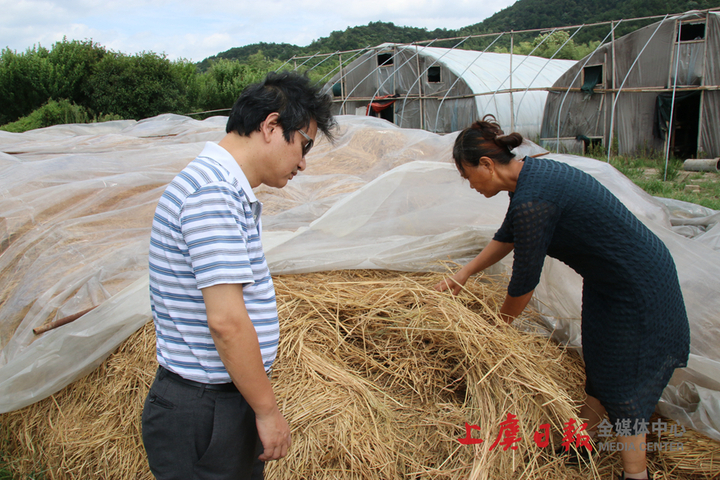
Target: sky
<point x="195" y="30"/>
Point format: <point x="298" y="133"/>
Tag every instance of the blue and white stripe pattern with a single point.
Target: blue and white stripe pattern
<point x="206" y="231"/>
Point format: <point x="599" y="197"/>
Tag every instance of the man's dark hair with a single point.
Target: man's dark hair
<point x="287" y="93"/>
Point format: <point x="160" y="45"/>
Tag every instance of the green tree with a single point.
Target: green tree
<point x="351" y="38"/>
<point x="548" y="45"/>
<point x="138" y="86"/>
<point x="221" y="85"/>
<point x="28" y="80"/>
<point x="281" y="51"/>
<point x="72" y="65"/>
<point x="25" y="82"/>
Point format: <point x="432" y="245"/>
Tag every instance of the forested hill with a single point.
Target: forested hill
<point x="522" y="15"/>
<point x="530" y="14"/>
<point x="352" y="38"/>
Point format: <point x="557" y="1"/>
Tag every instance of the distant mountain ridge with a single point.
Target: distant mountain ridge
<point x="522" y="15"/>
<point x="351" y="38"/>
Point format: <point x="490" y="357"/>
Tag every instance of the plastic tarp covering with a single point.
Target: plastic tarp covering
<point x="691" y="58"/>
<point x="77" y="201"/>
<point x="479" y="91"/>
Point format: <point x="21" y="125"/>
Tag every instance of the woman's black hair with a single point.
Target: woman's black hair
<point x="292" y="96"/>
<point x="484" y="138"/>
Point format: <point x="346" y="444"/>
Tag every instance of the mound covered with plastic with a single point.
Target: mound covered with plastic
<point x="76" y="204"/>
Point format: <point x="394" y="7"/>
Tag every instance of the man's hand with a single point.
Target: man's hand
<point x="274" y="434"/>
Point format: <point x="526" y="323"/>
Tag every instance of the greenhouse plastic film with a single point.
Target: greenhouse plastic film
<point x="76" y="209"/>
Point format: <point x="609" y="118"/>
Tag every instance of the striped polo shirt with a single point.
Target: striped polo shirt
<point x="206" y="231"/>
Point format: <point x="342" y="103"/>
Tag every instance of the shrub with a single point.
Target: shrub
<point x="52" y="113"/>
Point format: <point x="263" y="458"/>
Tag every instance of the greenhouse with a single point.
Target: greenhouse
<point x="444" y="90"/>
<point x="627" y="91"/>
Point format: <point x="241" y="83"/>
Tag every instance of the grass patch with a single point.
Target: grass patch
<point x="7" y="474"/>
<point x="649" y="173"/>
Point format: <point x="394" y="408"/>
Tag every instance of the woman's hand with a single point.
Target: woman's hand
<point x="454" y="283"/>
<point x="490" y="255"/>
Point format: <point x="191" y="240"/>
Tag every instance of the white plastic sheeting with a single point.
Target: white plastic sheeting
<point x="491" y="72"/>
<point x="76" y="204"/>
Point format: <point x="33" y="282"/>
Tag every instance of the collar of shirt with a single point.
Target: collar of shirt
<point x="223" y="157"/>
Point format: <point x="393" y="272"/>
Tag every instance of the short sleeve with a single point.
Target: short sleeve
<point x="214" y="224"/>
<point x="505" y="233"/>
<point x="533" y="225"/>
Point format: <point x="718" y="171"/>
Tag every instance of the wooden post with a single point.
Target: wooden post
<point x="420" y="92"/>
<point x="602" y="99"/>
<point x="612" y="102"/>
<point x="512" y="103"/>
<point x="702" y="93"/>
<point x="675" y="55"/>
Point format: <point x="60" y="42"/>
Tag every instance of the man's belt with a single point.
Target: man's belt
<point x="215" y="387"/>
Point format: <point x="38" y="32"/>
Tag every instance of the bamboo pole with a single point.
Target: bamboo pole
<point x="670" y="136"/>
<point x="60" y="322"/>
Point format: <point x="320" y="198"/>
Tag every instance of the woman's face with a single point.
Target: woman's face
<point x="481" y="177"/>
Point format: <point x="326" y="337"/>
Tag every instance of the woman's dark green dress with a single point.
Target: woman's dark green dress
<point x="635" y="329"/>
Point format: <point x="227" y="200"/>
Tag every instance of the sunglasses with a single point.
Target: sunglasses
<point x="306" y="148"/>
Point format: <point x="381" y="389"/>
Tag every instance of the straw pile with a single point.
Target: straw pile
<point x="377" y="375"/>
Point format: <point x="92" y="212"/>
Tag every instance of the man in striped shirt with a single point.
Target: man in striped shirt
<point x="211" y="412"/>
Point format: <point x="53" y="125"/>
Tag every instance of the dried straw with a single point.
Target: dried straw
<point x="377" y="375"/>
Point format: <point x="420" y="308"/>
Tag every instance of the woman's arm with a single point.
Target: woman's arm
<point x="490" y="255"/>
<point x="513" y="306"/>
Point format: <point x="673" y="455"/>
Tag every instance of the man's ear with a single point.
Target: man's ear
<point x="268" y="126"/>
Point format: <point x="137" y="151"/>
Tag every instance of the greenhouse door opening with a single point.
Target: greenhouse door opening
<point x="383" y="107"/>
<point x="686" y="122"/>
<point x="388" y="114"/>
